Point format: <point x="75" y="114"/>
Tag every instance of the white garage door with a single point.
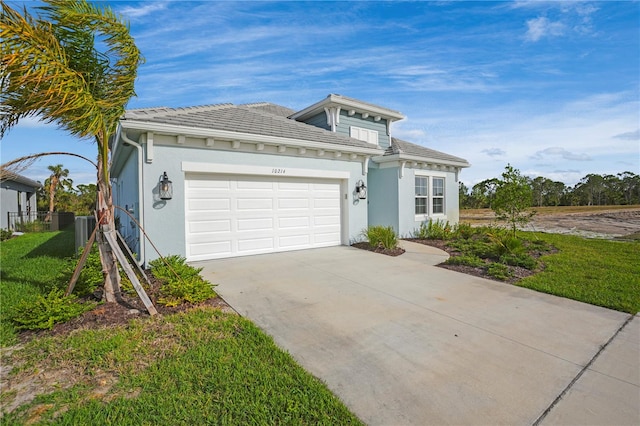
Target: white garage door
<point x="235" y="216"/>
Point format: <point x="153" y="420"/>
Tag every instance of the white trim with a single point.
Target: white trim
<point x="426" y="160"/>
<point x="170" y="129"/>
<point x="430" y="173"/>
<point x="149" y="141"/>
<point x="241" y="169"/>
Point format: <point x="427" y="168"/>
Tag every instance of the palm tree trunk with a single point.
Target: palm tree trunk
<point x="107" y="223"/>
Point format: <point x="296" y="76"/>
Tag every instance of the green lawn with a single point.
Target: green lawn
<point x="200" y="367"/>
<point x="600" y="272"/>
<point x="31" y="264"/>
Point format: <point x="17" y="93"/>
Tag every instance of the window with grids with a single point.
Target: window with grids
<point x="438" y="195"/>
<point x="422" y="195"/>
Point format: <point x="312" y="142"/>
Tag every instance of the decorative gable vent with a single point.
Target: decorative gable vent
<point x="366" y="135"/>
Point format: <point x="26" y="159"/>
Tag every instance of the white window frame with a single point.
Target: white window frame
<point x="430" y="176"/>
<point x="421" y="196"/>
<point x="366" y="135"/>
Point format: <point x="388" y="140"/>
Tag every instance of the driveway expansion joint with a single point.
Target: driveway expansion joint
<point x="582" y="371"/>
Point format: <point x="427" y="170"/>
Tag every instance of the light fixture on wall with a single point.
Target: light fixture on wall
<point x="166" y="187"/>
<point x="361" y="190"/>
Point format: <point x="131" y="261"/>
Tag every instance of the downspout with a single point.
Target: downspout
<point x="126" y="139"/>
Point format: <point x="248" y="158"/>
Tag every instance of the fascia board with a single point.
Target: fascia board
<point x="348" y="104"/>
<point x="404" y="157"/>
<point x="171" y="129"/>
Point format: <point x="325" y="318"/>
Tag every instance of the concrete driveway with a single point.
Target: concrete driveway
<point x="401" y="341"/>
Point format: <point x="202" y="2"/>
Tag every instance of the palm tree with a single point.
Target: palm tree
<point x="57" y="173"/>
<point x="53" y="68"/>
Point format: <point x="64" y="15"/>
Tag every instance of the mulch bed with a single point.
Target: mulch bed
<point x="120" y="313"/>
<point x="517" y="272"/>
<point x="389" y="252"/>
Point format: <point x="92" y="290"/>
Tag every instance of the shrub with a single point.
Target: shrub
<point x="44" y="312"/>
<point x="5" y="234"/>
<point x="91" y="276"/>
<point x="180" y="282"/>
<point x="499" y="271"/>
<point x="469" y="260"/>
<point x="464" y="230"/>
<point x="434" y="230"/>
<point x="381" y="236"/>
<point x="523" y="260"/>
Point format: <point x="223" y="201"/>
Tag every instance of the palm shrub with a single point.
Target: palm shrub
<point x="180" y="282"/>
<point x="381" y="236"/>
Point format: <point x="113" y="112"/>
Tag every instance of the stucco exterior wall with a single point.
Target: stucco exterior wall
<point x="165" y="220"/>
<point x="126" y="196"/>
<point x="382" y="197"/>
<point x="9" y="200"/>
<point x="406" y="200"/>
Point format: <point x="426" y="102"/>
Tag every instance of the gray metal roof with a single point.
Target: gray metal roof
<point x="403" y="147"/>
<point x="260" y="119"/>
<point x="6" y="175"/>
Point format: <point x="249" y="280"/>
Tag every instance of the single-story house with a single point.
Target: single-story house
<point x="228" y="180"/>
<point x="18" y="198"/>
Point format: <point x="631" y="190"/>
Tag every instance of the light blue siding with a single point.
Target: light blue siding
<point x="346" y="121"/>
<point x="319" y="120"/>
<point x="368" y="123"/>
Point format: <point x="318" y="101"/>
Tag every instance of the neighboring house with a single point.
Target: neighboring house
<point x="17" y="197"/>
<point x="261" y="178"/>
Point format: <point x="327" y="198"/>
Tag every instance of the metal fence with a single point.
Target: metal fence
<point x="39" y="221"/>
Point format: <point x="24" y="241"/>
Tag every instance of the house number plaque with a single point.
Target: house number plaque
<point x="278" y="171"/>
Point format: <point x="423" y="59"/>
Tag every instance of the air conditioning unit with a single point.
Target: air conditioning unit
<point x="84" y="228"/>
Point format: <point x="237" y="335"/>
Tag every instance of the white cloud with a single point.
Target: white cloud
<point x="543" y="27"/>
<point x="629" y="136"/>
<point x="494" y="152"/>
<point x="562" y="153"/>
<point x="138" y="12"/>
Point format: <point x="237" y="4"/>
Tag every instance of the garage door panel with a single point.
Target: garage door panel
<point x="295" y="241"/>
<point x="209" y="204"/>
<point x="293" y="203"/>
<point x="258" y="224"/>
<point x="206" y="226"/>
<point x="294" y="186"/>
<point x="254" y="204"/>
<point x="242" y="215"/>
<point x="243" y="185"/>
<point x="255" y="244"/>
<point x="319" y="220"/>
<point x="326" y="203"/>
<point x="208" y="184"/>
<point x="294" y="222"/>
<point x="211" y="249"/>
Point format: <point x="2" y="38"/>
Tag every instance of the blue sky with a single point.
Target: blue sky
<point x="552" y="87"/>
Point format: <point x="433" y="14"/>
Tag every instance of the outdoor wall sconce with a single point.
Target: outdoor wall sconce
<point x="166" y="187"/>
<point x="361" y="190"/>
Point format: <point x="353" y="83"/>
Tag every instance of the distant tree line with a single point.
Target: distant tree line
<point x="58" y="194"/>
<point x="591" y="190"/>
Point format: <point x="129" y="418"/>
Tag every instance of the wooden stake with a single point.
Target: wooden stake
<point x="111" y="239"/>
<point x="82" y="261"/>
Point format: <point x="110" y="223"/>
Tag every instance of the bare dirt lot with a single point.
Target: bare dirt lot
<point x="587" y="221"/>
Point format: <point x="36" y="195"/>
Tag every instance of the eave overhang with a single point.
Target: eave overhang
<point x="419" y="160"/>
<point x="139" y="127"/>
<point x="347" y="104"/>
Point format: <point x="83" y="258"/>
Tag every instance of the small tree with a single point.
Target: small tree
<point x="58" y="174"/>
<point x="513" y="198"/>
